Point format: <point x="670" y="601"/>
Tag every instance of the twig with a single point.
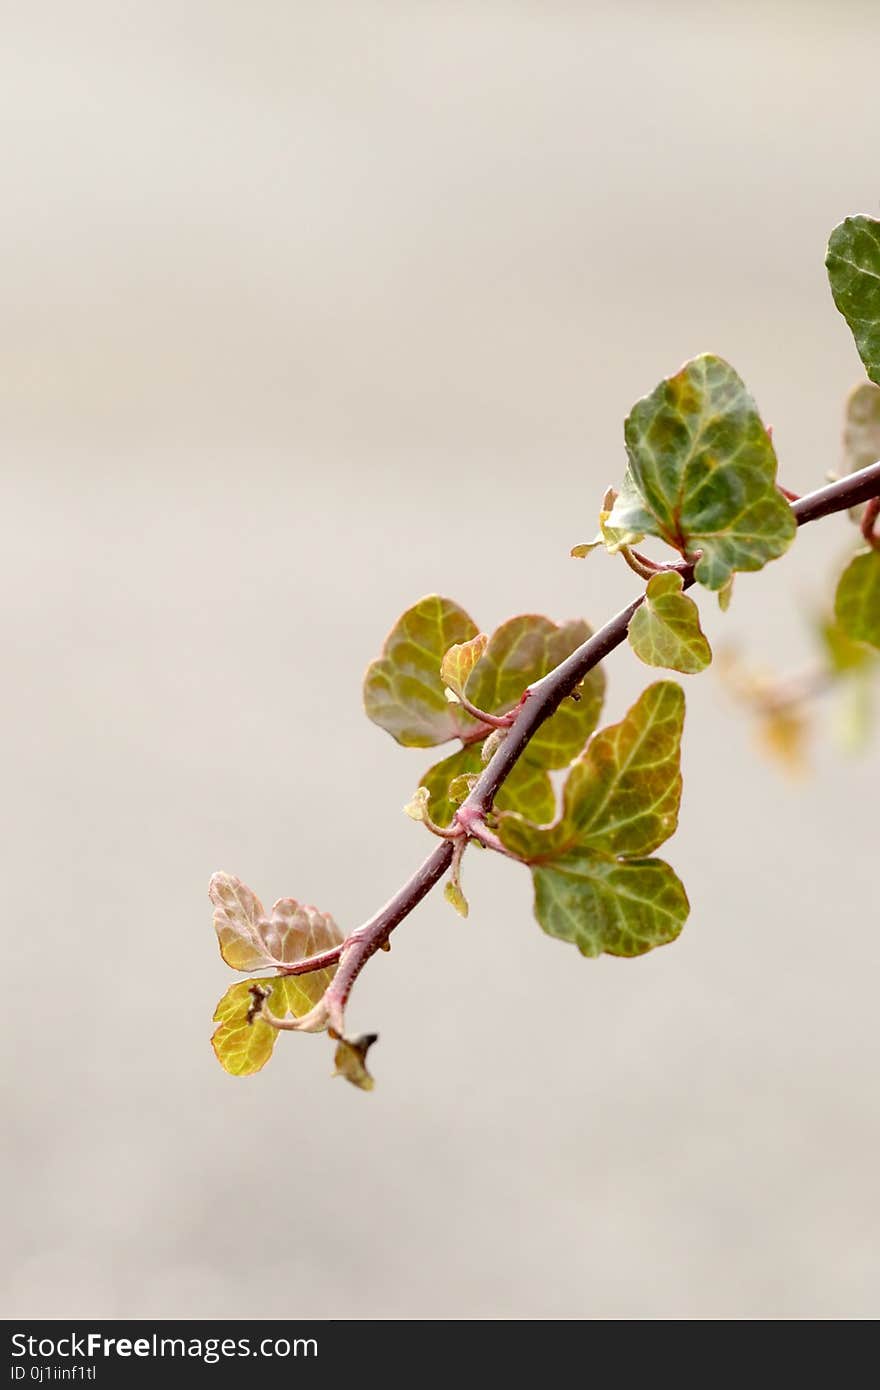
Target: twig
<point x="544" y="697"/>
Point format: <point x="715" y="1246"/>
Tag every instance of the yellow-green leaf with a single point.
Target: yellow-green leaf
<point x="857" y="601"/>
<point x="518" y="654"/>
<point x="702" y="474"/>
<point x="621" y="797"/>
<point x="853" y="262"/>
<point x="843" y="654"/>
<point x="623" y="908"/>
<point x="725" y="594"/>
<point x="527" y="789"/>
<point x="251" y="939"/>
<point x="459" y="662"/>
<point x="593" y="885"/>
<point x="243" y="1047"/>
<point x="403" y="690"/>
<point x="665" y="630"/>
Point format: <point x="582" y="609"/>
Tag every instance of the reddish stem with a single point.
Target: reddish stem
<point x="545" y="696"/>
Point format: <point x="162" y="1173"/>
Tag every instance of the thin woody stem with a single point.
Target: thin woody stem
<point x="540" y="701"/>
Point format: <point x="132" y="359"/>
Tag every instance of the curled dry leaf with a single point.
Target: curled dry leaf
<point x="350" y="1059"/>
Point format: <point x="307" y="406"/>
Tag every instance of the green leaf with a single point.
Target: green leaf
<point x="665" y="630"/>
<point x="350" y="1060"/>
<point x="843" y="654"/>
<point x="243" y="1047"/>
<point x="621" y="798"/>
<point x="622" y="795"/>
<point x="861" y="427"/>
<point x="702" y="474"/>
<point x="403" y="690"/>
<point x="527" y="789"/>
<point x="459" y="662"/>
<point x="725" y="594"/>
<point x="853" y="262"/>
<point x="252" y="940"/>
<point x="623" y="908"/>
<point x="519" y="653"/>
<point x="857" y="601"/>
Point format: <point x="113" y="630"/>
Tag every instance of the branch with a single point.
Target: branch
<point x="539" y="702"/>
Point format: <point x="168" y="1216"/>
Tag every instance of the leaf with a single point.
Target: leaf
<point x="417" y="807"/>
<point x="853" y="263"/>
<point x="857" y="601"/>
<point x="603" y="904"/>
<point x="607" y="536"/>
<point x="350" y="1060"/>
<point x="518" y="654"/>
<point x="250" y="940"/>
<point x="454" y="895"/>
<point x="843" y="654"/>
<point x="527" y="789"/>
<point x="459" y="662"/>
<point x="242" y="1047"/>
<point x="621" y="798"/>
<point x="702" y="474"/>
<point x="622" y="795"/>
<point x="403" y="689"/>
<point x="861" y="427"/>
<point x="725" y="594"/>
<point x="665" y="630"/>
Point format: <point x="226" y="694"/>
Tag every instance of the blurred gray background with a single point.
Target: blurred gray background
<point x="309" y="310"/>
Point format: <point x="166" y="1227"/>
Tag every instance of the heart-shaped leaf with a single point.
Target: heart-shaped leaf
<point x="665" y="630"/>
<point x="853" y="262"/>
<point x="403" y="690"/>
<point x="620" y="801"/>
<point x="519" y="653"/>
<point x="702" y="474"/>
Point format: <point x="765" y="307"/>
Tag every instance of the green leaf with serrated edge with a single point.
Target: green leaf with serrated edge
<point x="725" y="594"/>
<point x="861" y="427"/>
<point x="527" y="789"/>
<point x="519" y="653"/>
<point x="857" y="601"/>
<point x="665" y="630"/>
<point x="459" y="662"/>
<point x="702" y="474"/>
<point x="853" y="263"/>
<point x="621" y="797"/>
<point x="251" y="939"/>
<point x="242" y="1047"/>
<point x="350" y="1060"/>
<point x="623" y="908"/>
<point x="403" y="690"/>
